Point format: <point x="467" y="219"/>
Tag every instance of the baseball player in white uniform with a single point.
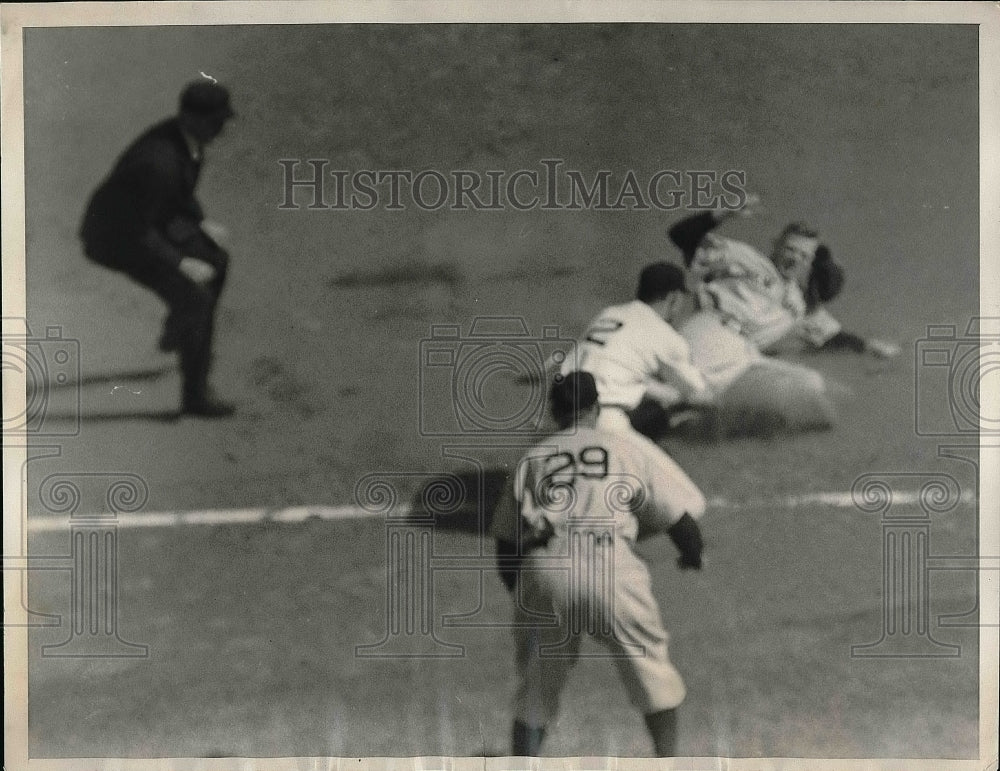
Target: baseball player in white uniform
<point x="566" y="528"/>
<point x="769" y="300"/>
<point x="749" y="304"/>
<point x="641" y="364"/>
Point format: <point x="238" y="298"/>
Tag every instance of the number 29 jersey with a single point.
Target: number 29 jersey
<point x="587" y="477"/>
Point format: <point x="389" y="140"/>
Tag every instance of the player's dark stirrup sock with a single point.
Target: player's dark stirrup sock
<point x="526" y="741"/>
<point x="662" y="727"/>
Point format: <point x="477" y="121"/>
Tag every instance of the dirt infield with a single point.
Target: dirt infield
<point x="869" y="131"/>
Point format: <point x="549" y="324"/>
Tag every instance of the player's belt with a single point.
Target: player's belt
<point x="603" y="537"/>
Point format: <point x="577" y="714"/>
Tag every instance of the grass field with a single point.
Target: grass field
<point x="869" y="131"/>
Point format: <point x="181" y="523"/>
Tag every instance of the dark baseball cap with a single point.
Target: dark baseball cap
<point x="658" y="280"/>
<point x="206" y="97"/>
<point x="573" y="393"/>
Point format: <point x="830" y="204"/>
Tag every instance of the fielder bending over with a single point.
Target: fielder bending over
<point x="566" y="529"/>
<point x="642" y="366"/>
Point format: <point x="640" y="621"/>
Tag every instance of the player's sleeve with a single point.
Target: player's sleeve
<point x="668" y="493"/>
<point x="672" y="503"/>
<point x="687" y="234"/>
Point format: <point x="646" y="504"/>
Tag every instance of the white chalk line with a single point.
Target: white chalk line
<point x="298" y="514"/>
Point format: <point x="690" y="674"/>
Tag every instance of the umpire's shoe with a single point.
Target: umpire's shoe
<point x="205" y="406"/>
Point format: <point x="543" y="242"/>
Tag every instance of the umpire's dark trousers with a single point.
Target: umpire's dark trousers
<point x="152" y="261"/>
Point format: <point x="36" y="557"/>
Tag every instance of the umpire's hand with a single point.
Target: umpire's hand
<point x="216" y="231"/>
<point x="199" y="271"/>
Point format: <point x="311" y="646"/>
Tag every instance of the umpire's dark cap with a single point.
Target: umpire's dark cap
<point x="658" y="280"/>
<point x="206" y="97"/>
<point x="573" y="393"/>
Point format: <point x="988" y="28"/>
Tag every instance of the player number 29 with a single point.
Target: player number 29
<point x="590" y="462"/>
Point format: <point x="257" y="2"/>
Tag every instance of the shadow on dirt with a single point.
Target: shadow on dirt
<point x="413" y="271"/>
<point x="110" y="378"/>
<point x="159" y="416"/>
<point x="460" y="501"/>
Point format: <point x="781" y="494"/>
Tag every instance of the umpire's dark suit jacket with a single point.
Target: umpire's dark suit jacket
<point x="146" y="209"/>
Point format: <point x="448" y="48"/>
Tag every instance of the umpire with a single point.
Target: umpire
<point x="145" y="222"/>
